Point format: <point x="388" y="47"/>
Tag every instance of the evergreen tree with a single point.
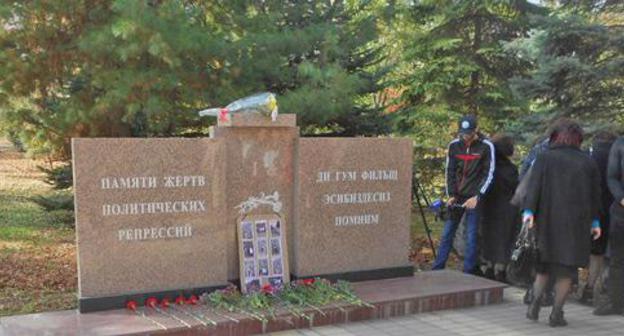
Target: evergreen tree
<point x="143" y="68"/>
<point x="456" y="64"/>
<point x="316" y="55"/>
<point x="578" y="58"/>
<point x="103" y="68"/>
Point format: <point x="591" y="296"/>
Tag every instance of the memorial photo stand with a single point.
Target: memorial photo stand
<point x="263" y="252"/>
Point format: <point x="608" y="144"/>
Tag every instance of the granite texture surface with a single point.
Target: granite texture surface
<point x="156" y="248"/>
<point x="353" y="205"/>
<point x="258" y="120"/>
<point x="260" y="160"/>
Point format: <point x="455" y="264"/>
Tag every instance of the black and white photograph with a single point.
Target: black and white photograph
<point x="263" y="267"/>
<point x="247" y="230"/>
<point x="252" y="285"/>
<point x="250" y="269"/>
<point x="261" y="228"/>
<point x="248" y="249"/>
<point x="275" y="228"/>
<point x="276" y="248"/>
<point x="262" y="248"/>
<point x="277" y="266"/>
<point x="276" y="281"/>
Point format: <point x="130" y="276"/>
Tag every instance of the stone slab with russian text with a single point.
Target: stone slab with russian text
<point x="148" y="214"/>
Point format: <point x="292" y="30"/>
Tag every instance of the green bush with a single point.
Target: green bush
<point x="13" y="137"/>
<point x="59" y="177"/>
<point x="60" y="200"/>
<point x="61" y="218"/>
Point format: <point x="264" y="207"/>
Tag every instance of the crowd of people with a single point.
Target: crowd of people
<point x="570" y="199"/>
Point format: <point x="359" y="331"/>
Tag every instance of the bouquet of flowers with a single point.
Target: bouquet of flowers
<point x="262" y="103"/>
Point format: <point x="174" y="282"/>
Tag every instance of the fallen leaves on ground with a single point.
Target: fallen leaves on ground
<point x="50" y="267"/>
<point x="37" y="258"/>
<point x="422" y="255"/>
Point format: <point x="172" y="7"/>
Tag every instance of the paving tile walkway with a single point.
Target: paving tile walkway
<point x="503" y="319"/>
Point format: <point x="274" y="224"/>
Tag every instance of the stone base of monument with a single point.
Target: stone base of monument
<point x="89" y="305"/>
<point x="357" y="276"/>
<point x="424" y="292"/>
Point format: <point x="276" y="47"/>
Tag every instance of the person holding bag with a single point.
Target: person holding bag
<point x="563" y="206"/>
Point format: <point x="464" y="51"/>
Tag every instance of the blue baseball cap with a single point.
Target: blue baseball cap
<point x="467" y="124"/>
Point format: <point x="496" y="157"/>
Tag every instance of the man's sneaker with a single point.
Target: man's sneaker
<point x="608" y="309"/>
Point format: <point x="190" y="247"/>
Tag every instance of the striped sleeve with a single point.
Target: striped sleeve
<point x="489" y="166"/>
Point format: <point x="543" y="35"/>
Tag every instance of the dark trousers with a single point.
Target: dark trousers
<point x="616" y="266"/>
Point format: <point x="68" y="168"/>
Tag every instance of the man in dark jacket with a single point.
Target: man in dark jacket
<point x="615" y="180"/>
<point x="470" y="166"/>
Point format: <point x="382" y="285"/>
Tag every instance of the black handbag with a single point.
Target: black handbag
<point x="524" y="257"/>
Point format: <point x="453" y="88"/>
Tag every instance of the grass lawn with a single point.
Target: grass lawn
<point x="38" y="256"/>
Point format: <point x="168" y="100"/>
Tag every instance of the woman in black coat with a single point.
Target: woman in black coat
<point x="562" y="205"/>
<point x="500" y="220"/>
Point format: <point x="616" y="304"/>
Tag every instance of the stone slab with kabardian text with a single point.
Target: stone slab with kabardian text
<point x="353" y="208"/>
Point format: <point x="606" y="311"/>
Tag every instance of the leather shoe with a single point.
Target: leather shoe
<point x="556" y="319"/>
<point x="608" y="309"/>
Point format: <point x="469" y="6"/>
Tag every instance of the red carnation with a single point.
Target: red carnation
<point x="308" y="282"/>
<point x="268" y="289"/>
<point x="192" y="300"/>
<point x="164" y="303"/>
<point x="151" y="302"/>
<point x="132" y="305"/>
<point x="179" y="300"/>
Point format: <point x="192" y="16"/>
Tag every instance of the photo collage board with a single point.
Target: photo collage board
<point x="263" y="252"/>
